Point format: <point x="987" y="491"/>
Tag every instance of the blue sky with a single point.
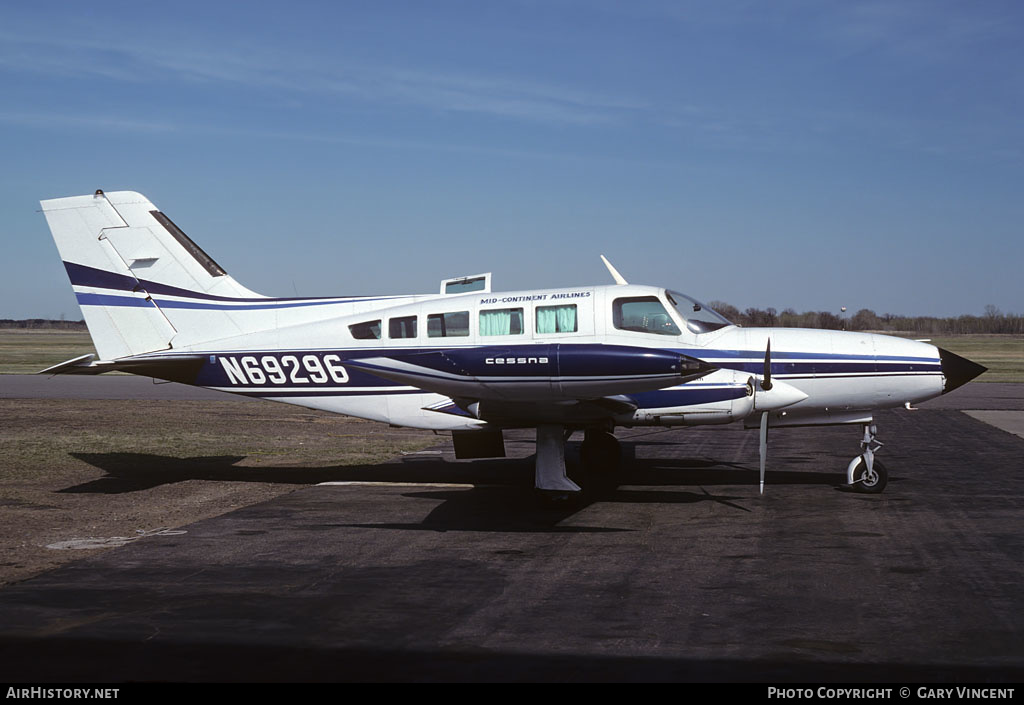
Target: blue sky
<point x="789" y="154"/>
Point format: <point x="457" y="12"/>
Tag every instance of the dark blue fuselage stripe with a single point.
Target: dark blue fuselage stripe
<point x="81" y="275"/>
<point x="757" y="357"/>
<point x="86" y="299"/>
<point x="356" y="358"/>
<point x="880" y="366"/>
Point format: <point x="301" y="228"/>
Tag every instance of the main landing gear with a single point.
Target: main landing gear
<point x="600" y="453"/>
<point x="865" y="474"/>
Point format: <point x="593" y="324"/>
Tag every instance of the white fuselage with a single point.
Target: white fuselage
<point x="833" y="376"/>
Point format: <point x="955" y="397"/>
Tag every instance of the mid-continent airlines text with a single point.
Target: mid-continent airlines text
<point x="536" y="297"/>
<point x="311" y="368"/>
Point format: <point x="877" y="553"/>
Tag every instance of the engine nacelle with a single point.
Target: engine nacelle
<point x="547" y="372"/>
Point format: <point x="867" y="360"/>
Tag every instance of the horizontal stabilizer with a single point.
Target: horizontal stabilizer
<point x="81" y="365"/>
<point x="175" y="368"/>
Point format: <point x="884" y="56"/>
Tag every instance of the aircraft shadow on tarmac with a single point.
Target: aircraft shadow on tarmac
<point x="496" y="509"/>
<point x="498" y="496"/>
<point x="132" y="472"/>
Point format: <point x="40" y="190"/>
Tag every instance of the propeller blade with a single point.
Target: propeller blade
<point x="764" y="445"/>
<point x="766" y="379"/>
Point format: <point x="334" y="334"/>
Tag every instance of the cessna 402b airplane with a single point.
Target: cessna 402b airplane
<point x="472" y="361"/>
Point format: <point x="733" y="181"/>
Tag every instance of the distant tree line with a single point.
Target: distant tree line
<point x="42" y="323"/>
<point x="992" y="321"/>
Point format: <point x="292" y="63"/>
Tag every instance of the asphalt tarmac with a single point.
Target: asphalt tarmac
<point x="431" y="569"/>
<point x="107" y="386"/>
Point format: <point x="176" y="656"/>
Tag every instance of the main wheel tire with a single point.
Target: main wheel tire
<point x="869" y="486"/>
<point x="600" y="452"/>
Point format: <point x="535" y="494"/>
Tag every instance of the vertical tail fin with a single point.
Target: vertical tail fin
<point x="119" y="251"/>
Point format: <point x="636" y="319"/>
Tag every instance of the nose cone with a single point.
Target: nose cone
<point x="957" y="370"/>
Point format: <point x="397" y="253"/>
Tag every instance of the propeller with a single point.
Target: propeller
<point x="771" y="396"/>
<point x="766" y="384"/>
<point x="764" y="445"/>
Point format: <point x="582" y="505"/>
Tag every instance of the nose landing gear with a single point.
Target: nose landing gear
<point x="865" y="474"/>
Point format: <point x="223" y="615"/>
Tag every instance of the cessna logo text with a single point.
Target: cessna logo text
<point x="516" y="360"/>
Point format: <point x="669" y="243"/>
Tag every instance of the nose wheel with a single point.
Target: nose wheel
<point x="864" y="473"/>
<point x="868" y="481"/>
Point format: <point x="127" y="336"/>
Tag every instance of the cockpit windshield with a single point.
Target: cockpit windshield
<point x="699" y="318"/>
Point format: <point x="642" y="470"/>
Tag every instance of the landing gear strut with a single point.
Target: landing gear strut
<point x="549" y="475"/>
<point x="865" y="474"/>
<point x="600" y="454"/>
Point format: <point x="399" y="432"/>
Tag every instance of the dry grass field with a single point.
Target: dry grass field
<point x="81" y="474"/>
<point x="1003" y="355"/>
<point x="26" y="351"/>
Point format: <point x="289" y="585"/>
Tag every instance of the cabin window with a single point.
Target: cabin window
<point x="448" y="325"/>
<point x="643" y="314"/>
<point x="404" y="327"/>
<point x="368" y="330"/>
<point x="556" y="319"/>
<point x="501" y="321"/>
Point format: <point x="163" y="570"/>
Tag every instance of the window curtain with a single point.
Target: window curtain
<point x="496" y="322"/>
<point x="556" y="319"/>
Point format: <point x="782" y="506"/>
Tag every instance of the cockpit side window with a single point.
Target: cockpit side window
<point x="699" y="318"/>
<point x="643" y="314"/>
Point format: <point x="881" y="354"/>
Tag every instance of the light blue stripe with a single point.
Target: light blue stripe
<point x="89" y="299"/>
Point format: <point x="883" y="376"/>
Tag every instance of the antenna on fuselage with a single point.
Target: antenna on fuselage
<point x="614" y="272"/>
